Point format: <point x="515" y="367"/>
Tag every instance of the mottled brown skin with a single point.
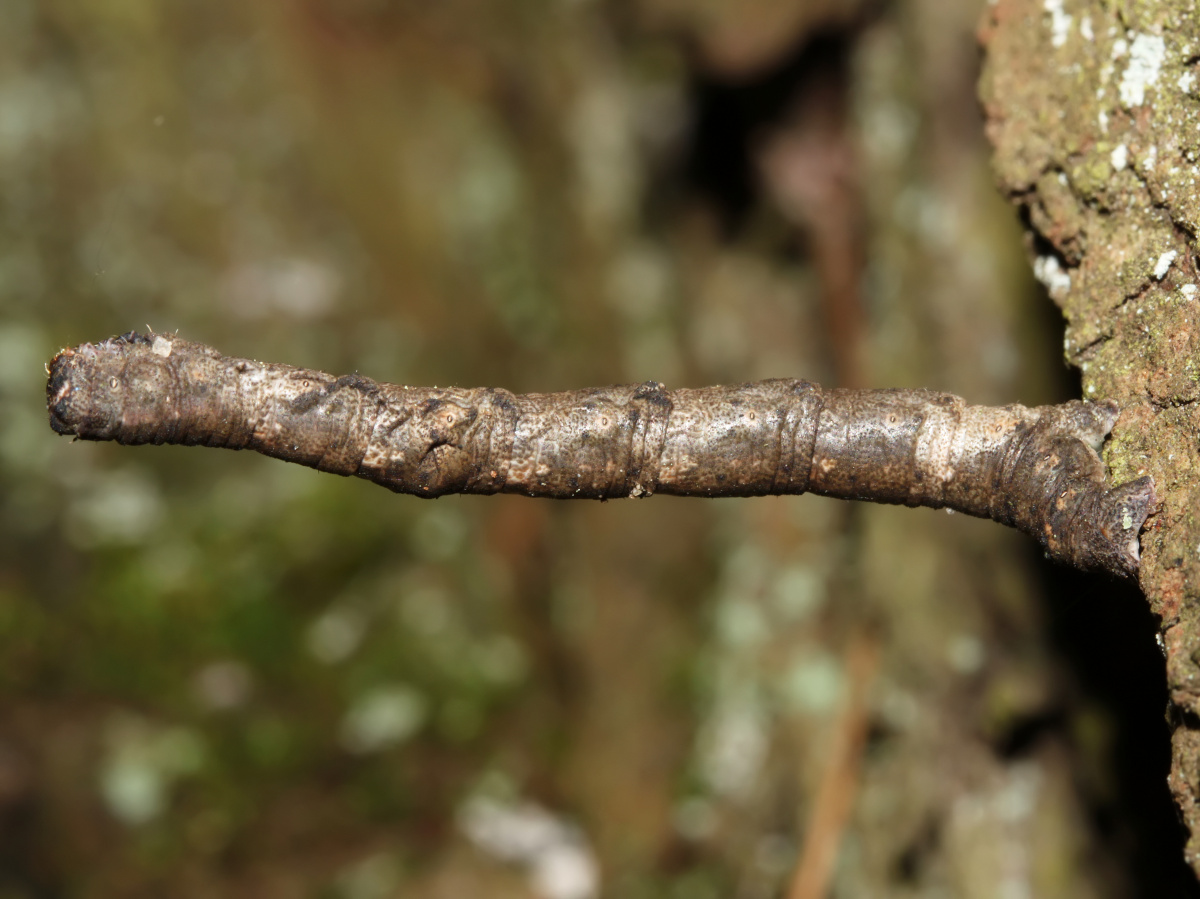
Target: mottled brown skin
<point x="1035" y="469"/>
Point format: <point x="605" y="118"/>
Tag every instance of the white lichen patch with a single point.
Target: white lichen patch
<point x="556" y="854"/>
<point x="1085" y="28"/>
<point x="1146" y="55"/>
<point x="1189" y="291"/>
<point x="732" y="743"/>
<point x="384" y="717"/>
<point x="965" y="653"/>
<point x="1119" y="157"/>
<point x="1060" y="22"/>
<point x="142" y="764"/>
<point x="1048" y="270"/>
<point x="812" y="685"/>
<point x="1164" y="263"/>
<point x="1186" y="82"/>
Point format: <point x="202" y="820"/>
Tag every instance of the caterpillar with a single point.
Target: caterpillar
<point x="1036" y="469"/>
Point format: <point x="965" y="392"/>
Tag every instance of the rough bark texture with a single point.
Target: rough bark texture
<point x="1094" y="114"/>
<point x="1034" y="469"/>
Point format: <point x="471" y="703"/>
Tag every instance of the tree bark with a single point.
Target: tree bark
<point x="1092" y="108"/>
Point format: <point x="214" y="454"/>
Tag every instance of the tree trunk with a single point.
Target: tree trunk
<point x="1093" y="111"/>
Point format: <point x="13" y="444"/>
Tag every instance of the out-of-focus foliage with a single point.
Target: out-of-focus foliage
<point x="226" y="676"/>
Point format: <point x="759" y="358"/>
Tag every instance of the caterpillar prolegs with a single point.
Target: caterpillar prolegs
<point x="1036" y="469"/>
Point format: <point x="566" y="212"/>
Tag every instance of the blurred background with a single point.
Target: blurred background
<point x="226" y="676"/>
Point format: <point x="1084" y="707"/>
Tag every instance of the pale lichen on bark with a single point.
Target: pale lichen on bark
<point x="1034" y="469"/>
<point x="1094" y="111"/>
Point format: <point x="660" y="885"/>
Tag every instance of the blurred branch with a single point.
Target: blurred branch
<point x="839" y="783"/>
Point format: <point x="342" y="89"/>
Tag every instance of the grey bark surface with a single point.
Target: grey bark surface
<point x="1034" y="469"/>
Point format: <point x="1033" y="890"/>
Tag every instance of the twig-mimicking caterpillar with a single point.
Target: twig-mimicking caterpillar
<point x="1035" y="469"/>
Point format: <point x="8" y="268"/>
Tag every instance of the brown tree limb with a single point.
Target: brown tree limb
<point x="1034" y="469"/>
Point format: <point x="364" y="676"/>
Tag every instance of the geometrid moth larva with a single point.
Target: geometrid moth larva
<point x="1034" y="469"/>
